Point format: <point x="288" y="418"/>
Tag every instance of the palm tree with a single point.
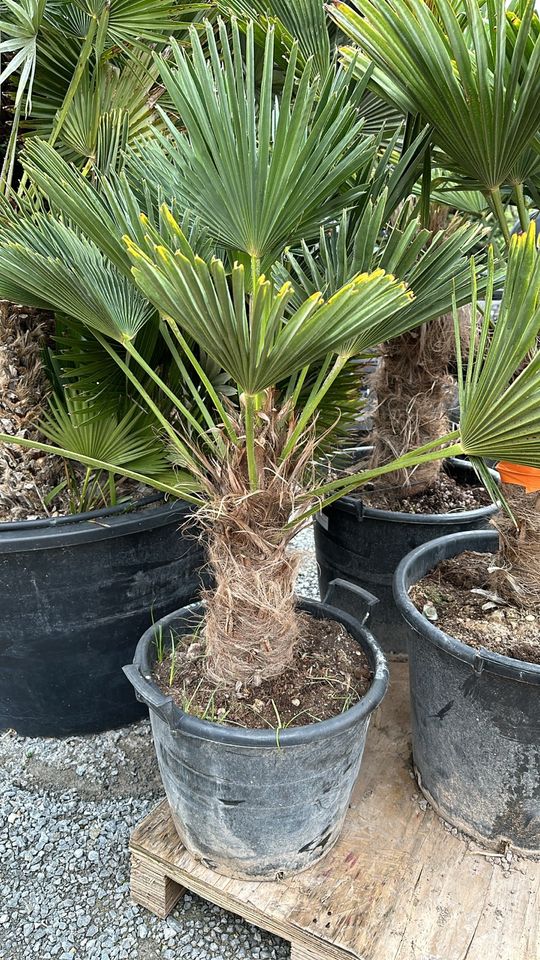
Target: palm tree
<point x="473" y="75"/>
<point x="248" y="181"/>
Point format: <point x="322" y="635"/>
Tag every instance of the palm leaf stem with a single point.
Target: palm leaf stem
<point x="524" y="218"/>
<point x="101" y="465"/>
<point x="11" y="149"/>
<point x="169" y="430"/>
<point x="188" y="381"/>
<point x="250" y="406"/>
<point x="231" y="433"/>
<point x="495" y="200"/>
<point x="335" y="489"/>
<point x="181" y="407"/>
<point x="313" y="404"/>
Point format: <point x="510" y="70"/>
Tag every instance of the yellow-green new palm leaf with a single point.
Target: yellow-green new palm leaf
<point x="472" y="71"/>
<point x="500" y="412"/>
<point x="258" y="341"/>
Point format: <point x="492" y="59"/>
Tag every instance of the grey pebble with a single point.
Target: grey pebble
<point x="64" y="859"/>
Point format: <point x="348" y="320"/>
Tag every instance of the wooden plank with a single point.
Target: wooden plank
<point x="150" y="887"/>
<point x="397" y="886"/>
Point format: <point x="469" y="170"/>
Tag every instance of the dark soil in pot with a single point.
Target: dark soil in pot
<point x="76" y="593"/>
<point x="261" y="802"/>
<point x="364" y="544"/>
<point x="475" y="712"/>
<point x="329" y="674"/>
<point x="458" y="596"/>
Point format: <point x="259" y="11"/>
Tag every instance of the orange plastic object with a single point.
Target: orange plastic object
<point x="528" y="477"/>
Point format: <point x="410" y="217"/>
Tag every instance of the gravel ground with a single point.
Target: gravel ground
<point x="66" y="811"/>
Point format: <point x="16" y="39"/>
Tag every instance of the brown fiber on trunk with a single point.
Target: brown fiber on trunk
<point x="414" y="388"/>
<point x="517" y="577"/>
<point x="25" y="475"/>
<point x="251" y="626"/>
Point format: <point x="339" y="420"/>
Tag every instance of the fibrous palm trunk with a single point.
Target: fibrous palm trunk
<point x="413" y="388"/>
<point x="251" y="624"/>
<point x="517" y="570"/>
<point x="25" y="476"/>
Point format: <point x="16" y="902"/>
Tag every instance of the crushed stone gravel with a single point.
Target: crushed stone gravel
<point x="67" y="808"/>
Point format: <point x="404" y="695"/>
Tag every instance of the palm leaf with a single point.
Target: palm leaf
<point x="474" y="78"/>
<point x="44" y="263"/>
<point x="264" y="347"/>
<point x="500" y="412"/>
<point x="436" y="268"/>
<point x="258" y="177"/>
<point x="91" y="431"/>
<point x="304" y="22"/>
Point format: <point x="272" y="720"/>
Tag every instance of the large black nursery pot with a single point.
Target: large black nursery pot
<point x="76" y="593"/>
<point x="475" y="717"/>
<point x="364" y="545"/>
<point x="258" y="803"/>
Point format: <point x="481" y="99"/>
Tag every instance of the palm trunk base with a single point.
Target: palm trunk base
<point x="251" y="626"/>
<point x="413" y="388"/>
<point x="517" y="577"/>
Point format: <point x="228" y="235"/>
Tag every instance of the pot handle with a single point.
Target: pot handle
<point x="350" y="591"/>
<point x="147" y="693"/>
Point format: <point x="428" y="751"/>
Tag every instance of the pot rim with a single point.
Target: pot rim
<point x="139" y="673"/>
<point x="350" y="504"/>
<point x="25" y="535"/>
<point x="480" y="659"/>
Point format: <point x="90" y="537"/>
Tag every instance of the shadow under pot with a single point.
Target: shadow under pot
<point x="249" y="803"/>
<point x="76" y="593"/>
<point x="475" y="717"/>
<point x="364" y="545"/>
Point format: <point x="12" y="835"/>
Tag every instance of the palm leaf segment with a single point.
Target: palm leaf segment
<point x="435" y="267"/>
<point x="259" y="172"/>
<point x="500" y="412"/>
<point x="83" y="70"/>
<point x="475" y="78"/>
<point x="45" y="264"/>
<point x="262" y="348"/>
<point x="304" y="21"/>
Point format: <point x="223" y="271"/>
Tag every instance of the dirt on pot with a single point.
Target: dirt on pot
<point x="458" y="597"/>
<point x="447" y="495"/>
<point x="329" y="674"/>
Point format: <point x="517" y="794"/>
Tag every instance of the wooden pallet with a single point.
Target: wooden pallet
<point x="398" y="885"/>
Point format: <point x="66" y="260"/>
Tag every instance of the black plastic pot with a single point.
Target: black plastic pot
<point x="76" y="593"/>
<point x="475" y="718"/>
<point x="258" y="803"/>
<point x="364" y="545"/>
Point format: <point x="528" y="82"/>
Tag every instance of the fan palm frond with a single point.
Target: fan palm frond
<point x="20" y="24"/>
<point x="269" y="345"/>
<point x="500" y="412"/>
<point x="90" y="431"/>
<point x="472" y="72"/>
<point x="304" y="22"/>
<point x="44" y="263"/>
<point x="435" y="267"/>
<point x="259" y="172"/>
